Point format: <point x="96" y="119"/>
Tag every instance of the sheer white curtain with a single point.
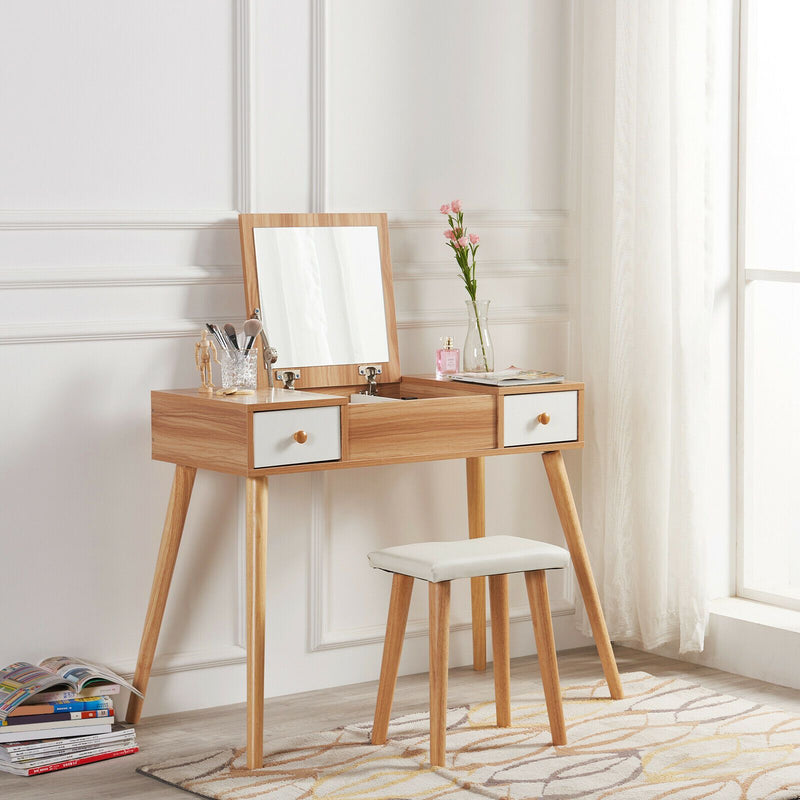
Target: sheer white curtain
<point x="646" y="217"/>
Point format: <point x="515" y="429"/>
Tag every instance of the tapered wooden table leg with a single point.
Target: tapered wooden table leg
<point x="179" y="498"/>
<point x="476" y="510"/>
<point x="568" y="514"/>
<point x="257" y="495"/>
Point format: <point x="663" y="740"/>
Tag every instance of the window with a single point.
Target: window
<point x="769" y="303"/>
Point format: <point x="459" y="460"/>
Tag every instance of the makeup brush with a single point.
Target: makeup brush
<point x="230" y="332"/>
<point x="251" y="329"/>
<point x="222" y="338"/>
<point x="215" y="332"/>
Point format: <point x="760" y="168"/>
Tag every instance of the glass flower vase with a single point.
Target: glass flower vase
<point x="478" y="350"/>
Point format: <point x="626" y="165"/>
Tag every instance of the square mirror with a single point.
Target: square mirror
<point x="323" y="284"/>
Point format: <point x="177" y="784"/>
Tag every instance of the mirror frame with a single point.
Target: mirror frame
<point x="336" y="374"/>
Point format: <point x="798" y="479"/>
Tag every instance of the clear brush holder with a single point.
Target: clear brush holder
<point x="239" y="369"/>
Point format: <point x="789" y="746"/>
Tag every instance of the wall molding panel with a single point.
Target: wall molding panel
<point x="67" y="277"/>
<point x="511" y="218"/>
<point x="515" y="315"/>
<point x="317" y="557"/>
<point x="374" y="634"/>
<point x="244" y="77"/>
<point x="101" y="330"/>
<point x="184" y="661"/>
<point x="183" y="219"/>
<point x="241" y="564"/>
<point x="65" y="220"/>
<point x="444" y="269"/>
<point x="319" y="106"/>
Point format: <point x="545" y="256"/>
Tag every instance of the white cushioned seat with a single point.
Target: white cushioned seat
<point x="469" y="558"/>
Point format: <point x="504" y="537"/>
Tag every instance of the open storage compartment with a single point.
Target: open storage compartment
<point x="423" y="420"/>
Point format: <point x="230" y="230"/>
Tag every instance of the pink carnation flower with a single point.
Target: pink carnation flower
<point x="449" y="235"/>
<point x="456" y="205"/>
<point x="445" y="209"/>
<point x="462" y="242"/>
<point x="474" y="238"/>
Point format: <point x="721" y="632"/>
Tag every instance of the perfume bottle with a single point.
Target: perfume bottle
<point x="447" y="357"/>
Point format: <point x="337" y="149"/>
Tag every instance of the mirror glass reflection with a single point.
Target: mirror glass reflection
<point x="322" y="295"/>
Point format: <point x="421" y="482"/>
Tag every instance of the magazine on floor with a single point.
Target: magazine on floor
<point x="21" y="681"/>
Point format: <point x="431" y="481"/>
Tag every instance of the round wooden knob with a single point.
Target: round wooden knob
<point x="301" y="437"/>
<point x="544" y="418"/>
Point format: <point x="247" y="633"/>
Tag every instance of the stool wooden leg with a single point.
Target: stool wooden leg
<point x="498" y="602"/>
<point x="568" y="514"/>
<point x="392" y="648"/>
<point x="439" y="648"/>
<point x="539" y="601"/>
<point x="177" y="509"/>
<point x="256" y="558"/>
<point x="476" y="511"/>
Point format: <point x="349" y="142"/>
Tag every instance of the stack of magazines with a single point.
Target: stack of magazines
<point x="59" y="714"/>
<point x="48" y="755"/>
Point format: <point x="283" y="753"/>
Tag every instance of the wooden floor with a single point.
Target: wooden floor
<point x="195" y="731"/>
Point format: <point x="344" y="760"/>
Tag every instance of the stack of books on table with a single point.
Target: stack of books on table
<point x="59" y="714"/>
<point x="513" y="376"/>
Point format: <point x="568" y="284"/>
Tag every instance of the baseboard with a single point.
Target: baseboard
<point x="751" y="639"/>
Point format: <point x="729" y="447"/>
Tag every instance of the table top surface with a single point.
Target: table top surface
<point x="275" y="398"/>
<point x="271" y="397"/>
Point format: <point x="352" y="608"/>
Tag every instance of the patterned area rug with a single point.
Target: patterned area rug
<point x="666" y="739"/>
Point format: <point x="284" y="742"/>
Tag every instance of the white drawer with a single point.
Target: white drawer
<point x="274" y="442"/>
<point x="521" y="423"/>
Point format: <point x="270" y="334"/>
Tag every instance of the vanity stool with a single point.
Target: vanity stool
<point x="439" y="563"/>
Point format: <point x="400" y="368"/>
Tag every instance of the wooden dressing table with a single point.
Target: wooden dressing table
<point x="316" y="426"/>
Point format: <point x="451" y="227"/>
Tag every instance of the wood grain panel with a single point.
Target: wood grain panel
<point x="380" y="461"/>
<point x="442" y="426"/>
<point x="262" y="400"/>
<point x="205" y="434"/>
<point x="216" y="432"/>
<point x="446" y="386"/>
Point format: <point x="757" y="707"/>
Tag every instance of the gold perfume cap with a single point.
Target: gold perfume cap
<point x="448" y="342"/>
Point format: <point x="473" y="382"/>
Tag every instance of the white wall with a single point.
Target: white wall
<point x="132" y="136"/>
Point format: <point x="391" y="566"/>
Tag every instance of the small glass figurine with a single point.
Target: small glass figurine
<point x="203" y="352"/>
